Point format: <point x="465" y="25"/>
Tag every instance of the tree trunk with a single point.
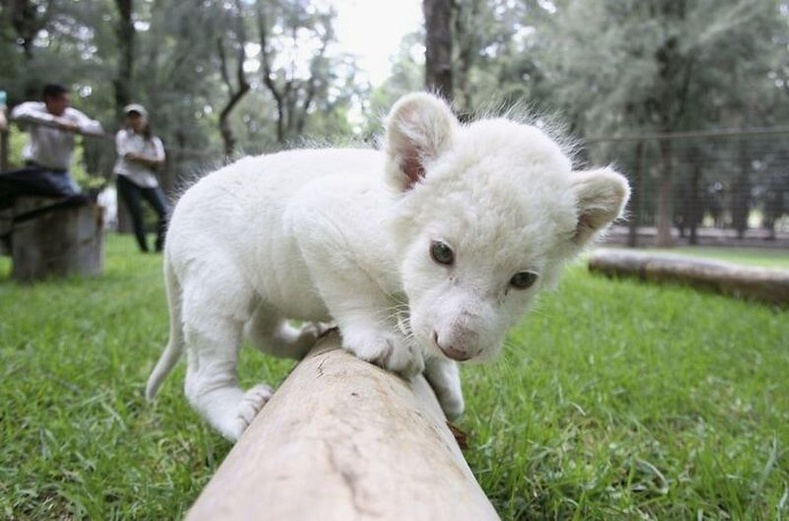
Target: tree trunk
<point x="126" y="34"/>
<point x="28" y="18"/>
<point x="665" y="203"/>
<point x="293" y="96"/>
<point x="343" y="439"/>
<point x="242" y="86"/>
<point x="466" y="18"/>
<point x="123" y="83"/>
<point x="741" y="191"/>
<point x="438" y="47"/>
<point x="236" y="95"/>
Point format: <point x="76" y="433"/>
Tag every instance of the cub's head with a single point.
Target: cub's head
<point x="485" y="216"/>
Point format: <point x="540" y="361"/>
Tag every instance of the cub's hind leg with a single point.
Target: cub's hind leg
<point x="213" y="324"/>
<point x="276" y="336"/>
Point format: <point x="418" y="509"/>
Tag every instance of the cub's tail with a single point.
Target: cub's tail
<point x="175" y="345"/>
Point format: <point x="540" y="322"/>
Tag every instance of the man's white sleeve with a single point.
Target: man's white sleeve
<point x="31" y="111"/>
<point x="85" y="124"/>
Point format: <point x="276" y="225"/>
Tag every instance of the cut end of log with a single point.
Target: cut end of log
<point x="57" y="240"/>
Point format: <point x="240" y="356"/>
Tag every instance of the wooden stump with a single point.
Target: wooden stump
<point x="65" y="241"/>
<point x="767" y="285"/>
<point x="344" y="440"/>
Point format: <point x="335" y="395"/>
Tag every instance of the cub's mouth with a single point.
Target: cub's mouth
<point x="451" y="352"/>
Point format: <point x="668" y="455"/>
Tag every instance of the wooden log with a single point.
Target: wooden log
<point x="66" y="241"/>
<point x="344" y="440"/>
<point x="762" y="284"/>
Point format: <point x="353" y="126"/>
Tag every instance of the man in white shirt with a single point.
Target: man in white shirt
<point x="51" y="124"/>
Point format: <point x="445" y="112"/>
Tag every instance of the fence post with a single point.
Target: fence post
<point x="635" y="196"/>
<point x="343" y="440"/>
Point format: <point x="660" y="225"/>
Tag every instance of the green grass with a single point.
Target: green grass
<point x="613" y="400"/>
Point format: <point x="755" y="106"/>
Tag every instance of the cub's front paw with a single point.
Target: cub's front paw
<point x="387" y="350"/>
<point x="251" y="404"/>
<point x="451" y="403"/>
<point x="444" y="377"/>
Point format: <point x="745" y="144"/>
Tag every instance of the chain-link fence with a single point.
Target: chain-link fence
<point x="727" y="187"/>
<point x="182" y="163"/>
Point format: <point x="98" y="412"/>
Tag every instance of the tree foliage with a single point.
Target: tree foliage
<point x="227" y="76"/>
<point x="219" y="77"/>
<point x="614" y="67"/>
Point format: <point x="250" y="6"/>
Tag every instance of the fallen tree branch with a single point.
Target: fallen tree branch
<point x="762" y="284"/>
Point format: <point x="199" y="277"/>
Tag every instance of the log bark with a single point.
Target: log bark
<point x="58" y="243"/>
<point x="344" y="440"/>
<point x="762" y="284"/>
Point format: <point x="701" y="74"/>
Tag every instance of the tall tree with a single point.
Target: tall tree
<point x="294" y="38"/>
<point x="126" y="34"/>
<point x="495" y="53"/>
<point x="467" y="42"/>
<point x="236" y="91"/>
<point x="27" y="18"/>
<point x="178" y="72"/>
<point x="643" y="65"/>
<point x="438" y="46"/>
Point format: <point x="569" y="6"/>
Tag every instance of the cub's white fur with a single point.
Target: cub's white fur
<point x="424" y="253"/>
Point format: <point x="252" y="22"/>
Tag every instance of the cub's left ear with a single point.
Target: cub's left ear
<point x="601" y="196"/>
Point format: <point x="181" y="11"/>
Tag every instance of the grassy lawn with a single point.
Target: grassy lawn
<point x="613" y="400"/>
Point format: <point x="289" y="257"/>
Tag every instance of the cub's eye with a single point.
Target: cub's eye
<point x="523" y="280"/>
<point x="441" y="253"/>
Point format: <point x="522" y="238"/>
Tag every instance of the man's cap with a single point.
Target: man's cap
<point x="135" y="107"/>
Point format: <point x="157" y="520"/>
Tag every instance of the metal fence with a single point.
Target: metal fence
<point x="181" y="167"/>
<point x="725" y="187"/>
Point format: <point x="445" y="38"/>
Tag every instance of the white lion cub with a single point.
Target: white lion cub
<point x="423" y="254"/>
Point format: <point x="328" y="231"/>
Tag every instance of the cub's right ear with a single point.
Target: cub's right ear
<point x="419" y="128"/>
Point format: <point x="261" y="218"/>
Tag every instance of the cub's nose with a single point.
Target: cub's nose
<point x="450" y="351"/>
